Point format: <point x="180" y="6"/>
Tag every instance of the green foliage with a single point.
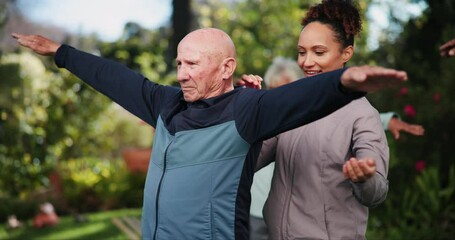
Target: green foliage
<point x="265" y="29"/>
<point x="87" y="184"/>
<point x="91" y="184"/>
<point x="424" y="210"/>
<point x="420" y="206"/>
<point x="145" y="52"/>
<point x="429" y="91"/>
<point x="121" y="130"/>
<point x="261" y="30"/>
<point x="45" y="116"/>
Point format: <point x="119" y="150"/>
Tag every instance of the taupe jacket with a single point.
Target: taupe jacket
<point x="310" y="198"/>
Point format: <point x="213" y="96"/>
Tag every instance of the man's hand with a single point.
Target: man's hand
<point x="251" y="81"/>
<point x="370" y="79"/>
<point x="396" y="125"/>
<point x="359" y="170"/>
<point x="37" y="43"/>
<point x="448" y="49"/>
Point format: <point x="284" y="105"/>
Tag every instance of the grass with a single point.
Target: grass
<point x="98" y="226"/>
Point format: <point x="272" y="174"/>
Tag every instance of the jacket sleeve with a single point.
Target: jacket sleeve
<point x="372" y="192"/>
<point x="263" y="114"/>
<point x="386" y="117"/>
<point x="369" y="140"/>
<point x="268" y="153"/>
<point x="129" y="89"/>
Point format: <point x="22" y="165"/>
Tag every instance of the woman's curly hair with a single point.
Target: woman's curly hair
<point x="341" y="15"/>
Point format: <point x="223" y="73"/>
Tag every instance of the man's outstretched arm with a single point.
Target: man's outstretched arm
<point x="309" y="99"/>
<point x="128" y="88"/>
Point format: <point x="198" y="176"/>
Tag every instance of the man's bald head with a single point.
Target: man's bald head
<point x="205" y="64"/>
<point x="213" y="41"/>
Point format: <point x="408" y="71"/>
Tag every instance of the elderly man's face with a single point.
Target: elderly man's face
<point x="198" y="70"/>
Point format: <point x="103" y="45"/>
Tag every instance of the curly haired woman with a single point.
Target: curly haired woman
<point x="329" y="172"/>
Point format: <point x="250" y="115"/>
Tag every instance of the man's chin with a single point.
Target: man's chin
<point x="189" y="98"/>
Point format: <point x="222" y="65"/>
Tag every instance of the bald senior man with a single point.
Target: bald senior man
<point x="208" y="133"/>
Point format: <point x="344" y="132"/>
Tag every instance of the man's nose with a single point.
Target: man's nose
<point x="182" y="74"/>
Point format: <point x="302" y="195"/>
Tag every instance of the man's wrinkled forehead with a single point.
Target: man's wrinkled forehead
<point x="191" y="51"/>
<point x="209" y="43"/>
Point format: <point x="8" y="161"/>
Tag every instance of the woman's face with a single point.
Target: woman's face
<point x="319" y="51"/>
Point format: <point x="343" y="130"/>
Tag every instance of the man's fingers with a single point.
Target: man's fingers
<point x="388" y="76"/>
<point x="383" y="72"/>
<point x="24" y="40"/>
<point x="370" y="79"/>
<point x="37" y="43"/>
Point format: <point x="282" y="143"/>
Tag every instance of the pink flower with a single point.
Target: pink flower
<point x="436" y="97"/>
<point x="420" y="166"/>
<point x="409" y="110"/>
<point x="403" y="91"/>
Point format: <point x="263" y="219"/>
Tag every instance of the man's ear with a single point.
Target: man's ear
<point x="347" y="53"/>
<point x="228" y="68"/>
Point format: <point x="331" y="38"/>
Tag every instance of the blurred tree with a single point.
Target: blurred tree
<point x="181" y="25"/>
<point x="45" y="117"/>
<point x="427" y="99"/>
<point x="143" y="51"/>
<point x="261" y="30"/>
<point x="265" y="29"/>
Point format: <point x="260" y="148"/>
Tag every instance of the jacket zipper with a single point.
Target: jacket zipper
<point x="159" y="190"/>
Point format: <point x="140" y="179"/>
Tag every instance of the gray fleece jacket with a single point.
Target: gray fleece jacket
<point x="310" y="198"/>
